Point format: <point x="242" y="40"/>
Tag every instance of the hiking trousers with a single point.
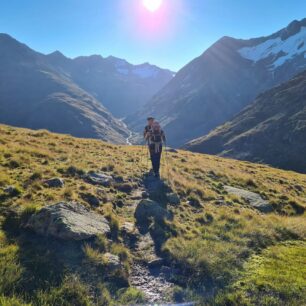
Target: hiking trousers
<point x="155" y="157"/>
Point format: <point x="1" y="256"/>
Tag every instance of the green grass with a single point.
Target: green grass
<point x="210" y="243"/>
<point x="277" y="276"/>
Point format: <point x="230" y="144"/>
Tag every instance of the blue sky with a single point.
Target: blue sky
<point x="170" y="37"/>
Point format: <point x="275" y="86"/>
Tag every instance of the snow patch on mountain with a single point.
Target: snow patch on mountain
<point x="283" y="50"/>
<point x="145" y="71"/>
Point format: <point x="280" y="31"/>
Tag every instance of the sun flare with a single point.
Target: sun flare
<point x="152" y="5"/>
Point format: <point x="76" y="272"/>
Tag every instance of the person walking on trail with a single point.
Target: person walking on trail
<point x="155" y="137"/>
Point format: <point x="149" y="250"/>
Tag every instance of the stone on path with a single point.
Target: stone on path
<point x="68" y="221"/>
<point x="147" y="209"/>
<point x="254" y="199"/>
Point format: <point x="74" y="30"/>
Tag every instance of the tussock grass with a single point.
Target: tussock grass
<point x="212" y="238"/>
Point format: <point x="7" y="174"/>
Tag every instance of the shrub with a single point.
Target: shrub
<point x="71" y="292"/>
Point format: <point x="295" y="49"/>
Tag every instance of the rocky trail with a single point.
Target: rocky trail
<point x="149" y="272"/>
<point x="72" y="222"/>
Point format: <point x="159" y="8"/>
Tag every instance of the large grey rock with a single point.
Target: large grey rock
<point x="55" y="182"/>
<point x="68" y="221"/>
<point x="254" y="199"/>
<point x="99" y="178"/>
<point x="149" y="209"/>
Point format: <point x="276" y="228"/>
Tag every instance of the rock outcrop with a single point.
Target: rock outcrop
<point x="149" y="209"/>
<point x="254" y="199"/>
<point x="71" y="221"/>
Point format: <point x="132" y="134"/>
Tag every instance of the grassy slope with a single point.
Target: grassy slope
<point x="211" y="244"/>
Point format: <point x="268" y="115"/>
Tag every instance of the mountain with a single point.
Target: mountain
<point x="122" y="87"/>
<point x="35" y="95"/>
<point x="80" y="224"/>
<point x="76" y="96"/>
<point x="271" y="130"/>
<point x="214" y="87"/>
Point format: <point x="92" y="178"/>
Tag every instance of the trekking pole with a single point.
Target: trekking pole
<point x="143" y="155"/>
<point x="167" y="164"/>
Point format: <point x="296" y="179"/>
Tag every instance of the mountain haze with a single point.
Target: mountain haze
<point x="214" y="87"/>
<point x="70" y="95"/>
<point x="122" y="87"/>
<point x="271" y="130"/>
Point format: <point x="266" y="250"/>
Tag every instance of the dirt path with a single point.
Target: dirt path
<point x="148" y="272"/>
<point x="152" y="282"/>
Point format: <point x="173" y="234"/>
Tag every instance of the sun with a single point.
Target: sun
<point x="152" y="5"/>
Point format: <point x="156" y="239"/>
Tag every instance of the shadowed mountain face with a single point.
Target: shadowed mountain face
<point x="66" y="95"/>
<point x="35" y="95"/>
<point x="271" y="130"/>
<point x="223" y="80"/>
<point x="123" y="88"/>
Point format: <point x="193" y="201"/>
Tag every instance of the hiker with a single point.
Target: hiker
<point x="155" y="137"/>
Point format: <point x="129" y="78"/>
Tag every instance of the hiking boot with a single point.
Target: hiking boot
<point x="157" y="175"/>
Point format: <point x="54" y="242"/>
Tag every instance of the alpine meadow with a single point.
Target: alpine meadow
<point x="158" y="158"/>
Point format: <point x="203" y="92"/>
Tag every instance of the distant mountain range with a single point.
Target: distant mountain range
<point x="271" y="130"/>
<point x="214" y="87"/>
<point x="69" y="95"/>
<point x="123" y="88"/>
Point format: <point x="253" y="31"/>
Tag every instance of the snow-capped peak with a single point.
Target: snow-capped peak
<point x="145" y="71"/>
<point x="282" y="50"/>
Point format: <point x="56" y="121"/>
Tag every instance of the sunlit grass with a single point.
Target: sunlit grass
<point x="210" y="242"/>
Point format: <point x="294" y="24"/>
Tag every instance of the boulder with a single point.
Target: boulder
<point x="68" y="221"/>
<point x="173" y="198"/>
<point x="55" y="182"/>
<point x="99" y="178"/>
<point x="253" y="199"/>
<point x="149" y="209"/>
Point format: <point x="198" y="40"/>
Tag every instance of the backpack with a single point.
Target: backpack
<point x="156" y="133"/>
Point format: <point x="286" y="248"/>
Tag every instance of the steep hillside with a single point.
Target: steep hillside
<point x="223" y="80"/>
<point x="214" y="231"/>
<point x="271" y="130"/>
<point x="34" y="95"/>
